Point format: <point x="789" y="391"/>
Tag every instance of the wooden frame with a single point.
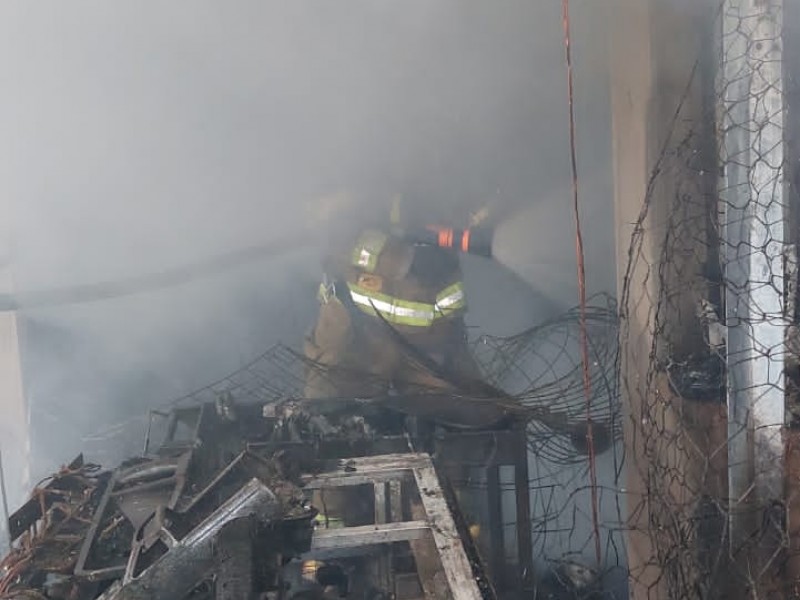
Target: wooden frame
<point x="438" y="524"/>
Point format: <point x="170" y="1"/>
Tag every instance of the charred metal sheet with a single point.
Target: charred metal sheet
<point x="191" y="559"/>
<point x="139" y="506"/>
<point x="107" y="572"/>
<point x="149" y="431"/>
<point x="185" y="428"/>
<point x="181" y="477"/>
<point x="244" y="467"/>
<point x="235" y="561"/>
<point x="142" y="489"/>
<point x="147" y="472"/>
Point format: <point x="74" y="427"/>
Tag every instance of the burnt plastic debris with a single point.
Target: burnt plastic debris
<point x="701" y="379"/>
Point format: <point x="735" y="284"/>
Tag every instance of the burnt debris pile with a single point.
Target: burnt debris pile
<point x="217" y="500"/>
<point x="193" y="515"/>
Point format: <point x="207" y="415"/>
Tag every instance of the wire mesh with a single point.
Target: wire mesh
<point x="540" y="369"/>
<point x="706" y="316"/>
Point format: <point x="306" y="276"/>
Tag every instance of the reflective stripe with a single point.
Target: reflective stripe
<point x="329" y="522"/>
<point x="367" y="249"/>
<point x="407" y="312"/>
<point x="452" y="298"/>
<point x="323" y="293"/>
<point x="394" y="310"/>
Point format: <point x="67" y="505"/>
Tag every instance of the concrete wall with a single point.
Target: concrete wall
<point x="14" y="434"/>
<point x="659" y="123"/>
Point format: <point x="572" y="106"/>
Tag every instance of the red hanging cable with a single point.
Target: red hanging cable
<point x="587" y="384"/>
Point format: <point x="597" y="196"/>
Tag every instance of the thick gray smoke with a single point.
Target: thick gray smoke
<point x="137" y="136"/>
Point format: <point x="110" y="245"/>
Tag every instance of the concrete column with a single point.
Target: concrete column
<point x="14" y="438"/>
<point x="756" y="211"/>
<point x="631" y="91"/>
<point x="791" y="58"/>
<point x="661" y="200"/>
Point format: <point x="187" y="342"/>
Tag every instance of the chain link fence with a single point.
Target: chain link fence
<point x="707" y="352"/>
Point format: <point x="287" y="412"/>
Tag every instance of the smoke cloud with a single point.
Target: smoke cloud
<point x="136" y="136"/>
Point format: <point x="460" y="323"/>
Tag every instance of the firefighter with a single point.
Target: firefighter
<point x="392" y="306"/>
<point x="392" y="316"/>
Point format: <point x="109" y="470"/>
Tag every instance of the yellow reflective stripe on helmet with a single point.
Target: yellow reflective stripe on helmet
<point x="450" y="300"/>
<point x="368" y="248"/>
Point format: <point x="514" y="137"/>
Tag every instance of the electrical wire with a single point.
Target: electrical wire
<point x="581" y="283"/>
